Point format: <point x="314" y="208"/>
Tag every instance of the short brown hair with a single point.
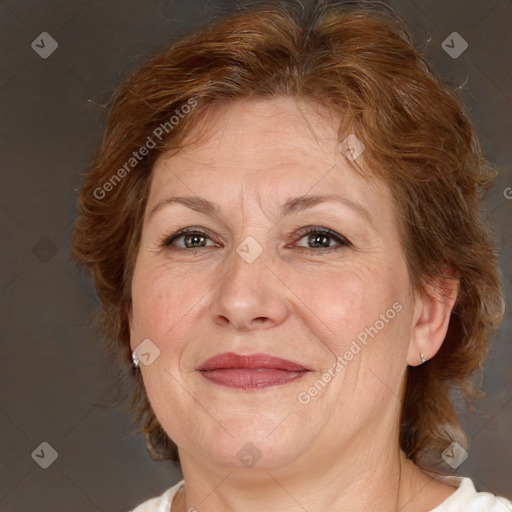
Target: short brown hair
<point x="360" y="62"/>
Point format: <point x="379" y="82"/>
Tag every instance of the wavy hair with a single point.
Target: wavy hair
<point x="359" y="60"/>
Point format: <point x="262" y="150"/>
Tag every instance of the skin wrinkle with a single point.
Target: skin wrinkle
<point x="361" y="66"/>
<point x="195" y="306"/>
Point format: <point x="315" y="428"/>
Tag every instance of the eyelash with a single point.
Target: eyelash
<point x="341" y="240"/>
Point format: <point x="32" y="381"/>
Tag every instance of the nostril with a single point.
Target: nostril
<point x="260" y="319"/>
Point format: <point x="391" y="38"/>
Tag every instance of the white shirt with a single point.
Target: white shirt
<point x="464" y="499"/>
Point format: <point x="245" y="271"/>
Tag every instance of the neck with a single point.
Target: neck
<point x="382" y="482"/>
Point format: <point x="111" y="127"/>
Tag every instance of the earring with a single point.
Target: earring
<point x="422" y="358"/>
<point x="135" y="359"/>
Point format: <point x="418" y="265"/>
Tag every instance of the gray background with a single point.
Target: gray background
<point x="53" y="114"/>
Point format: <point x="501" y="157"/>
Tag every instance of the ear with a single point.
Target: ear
<point x="431" y="318"/>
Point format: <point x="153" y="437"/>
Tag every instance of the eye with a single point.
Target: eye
<point x="322" y="238"/>
<point x="316" y="237"/>
<point x="189" y="238"/>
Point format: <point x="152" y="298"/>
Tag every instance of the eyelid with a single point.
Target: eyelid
<point x="297" y="233"/>
<point x="300" y="231"/>
<point x="168" y="239"/>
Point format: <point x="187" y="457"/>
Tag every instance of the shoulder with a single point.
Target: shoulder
<point x="467" y="499"/>
<point x="160" y="503"/>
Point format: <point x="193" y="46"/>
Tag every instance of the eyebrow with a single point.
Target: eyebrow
<point x="292" y="205"/>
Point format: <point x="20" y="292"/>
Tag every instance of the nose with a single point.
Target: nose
<point x="250" y="294"/>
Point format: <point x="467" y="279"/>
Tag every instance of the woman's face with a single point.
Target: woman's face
<point x="251" y="280"/>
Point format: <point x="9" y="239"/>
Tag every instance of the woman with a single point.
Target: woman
<point x="284" y="229"/>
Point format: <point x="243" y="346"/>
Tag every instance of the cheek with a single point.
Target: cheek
<point x="339" y="303"/>
<point x="162" y="300"/>
<point x="335" y="303"/>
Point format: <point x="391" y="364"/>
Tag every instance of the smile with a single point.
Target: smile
<point x="254" y="371"/>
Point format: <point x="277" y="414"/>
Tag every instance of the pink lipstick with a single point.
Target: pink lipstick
<point x="253" y="371"/>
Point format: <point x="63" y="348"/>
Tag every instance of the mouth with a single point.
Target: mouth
<point x="254" y="371"/>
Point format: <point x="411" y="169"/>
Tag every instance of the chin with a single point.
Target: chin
<point x="255" y="445"/>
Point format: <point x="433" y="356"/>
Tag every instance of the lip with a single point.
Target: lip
<point x="230" y="361"/>
<point x="252" y="371"/>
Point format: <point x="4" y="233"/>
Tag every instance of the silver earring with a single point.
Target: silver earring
<point x="135" y="359"/>
<point x="422" y="358"/>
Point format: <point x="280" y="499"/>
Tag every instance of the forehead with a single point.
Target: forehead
<point x="269" y="148"/>
<point x="283" y="124"/>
